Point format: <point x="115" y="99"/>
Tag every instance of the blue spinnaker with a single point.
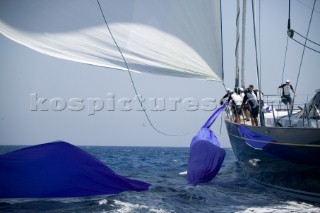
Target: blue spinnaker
<point x="254" y="139"/>
<point x="206" y="156"/>
<point x="277" y="148"/>
<point x="205" y="133"/>
<point x="59" y="170"/>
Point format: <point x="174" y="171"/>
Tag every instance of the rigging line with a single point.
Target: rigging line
<point x="221" y="30"/>
<point x="304" y="47"/>
<point x="260" y="44"/>
<point x="285" y="59"/>
<point x="305" y="37"/>
<point x="257" y="62"/>
<point x="221" y="34"/>
<point x="223" y="84"/>
<point x="307" y="5"/>
<point x="285" y="53"/>
<point x="237" y="80"/>
<point x="289" y="33"/>
<point x="133" y="85"/>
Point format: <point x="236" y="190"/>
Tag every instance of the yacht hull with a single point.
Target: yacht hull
<point x="283" y="158"/>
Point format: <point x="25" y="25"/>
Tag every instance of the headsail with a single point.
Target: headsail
<point x="160" y="37"/>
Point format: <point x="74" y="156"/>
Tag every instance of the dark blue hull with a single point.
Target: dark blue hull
<point x="284" y="158"/>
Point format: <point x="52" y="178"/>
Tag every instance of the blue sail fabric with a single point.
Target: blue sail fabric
<point x="278" y="149"/>
<point x="254" y="139"/>
<point x="206" y="156"/>
<point x="59" y="170"/>
<point x="205" y="133"/>
<point x="204" y="162"/>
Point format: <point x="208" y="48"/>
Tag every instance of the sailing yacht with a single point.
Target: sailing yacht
<point x="283" y="157"/>
<point x="283" y="152"/>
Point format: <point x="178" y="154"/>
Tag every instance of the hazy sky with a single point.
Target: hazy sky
<point x="25" y="73"/>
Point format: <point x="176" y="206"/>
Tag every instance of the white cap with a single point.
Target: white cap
<point x="287" y="81"/>
<point x="241" y="89"/>
<point x="231" y="91"/>
<point x="228" y="89"/>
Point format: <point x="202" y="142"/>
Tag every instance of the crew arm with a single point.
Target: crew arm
<point x="226" y="95"/>
<point x="292" y="89"/>
<point x="229" y="98"/>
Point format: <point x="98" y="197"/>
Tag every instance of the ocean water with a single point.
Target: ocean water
<point x="164" y="168"/>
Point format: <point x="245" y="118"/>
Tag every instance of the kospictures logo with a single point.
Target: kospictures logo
<point x="111" y="103"/>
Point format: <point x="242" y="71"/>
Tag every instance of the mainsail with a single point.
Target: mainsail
<point x="160" y="37"/>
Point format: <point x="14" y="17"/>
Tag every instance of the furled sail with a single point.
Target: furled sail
<point x="169" y="37"/>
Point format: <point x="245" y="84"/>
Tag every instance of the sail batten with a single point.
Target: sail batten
<point x="159" y="37"/>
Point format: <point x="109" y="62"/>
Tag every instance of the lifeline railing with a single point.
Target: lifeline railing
<point x="268" y="104"/>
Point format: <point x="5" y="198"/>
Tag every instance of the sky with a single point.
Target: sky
<point x="27" y="75"/>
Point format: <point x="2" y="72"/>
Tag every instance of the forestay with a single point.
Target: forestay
<point x="168" y="37"/>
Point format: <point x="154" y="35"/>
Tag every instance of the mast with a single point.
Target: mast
<point x="222" y="74"/>
<point x="244" y="13"/>
<point x="237" y="80"/>
<point x="257" y="62"/>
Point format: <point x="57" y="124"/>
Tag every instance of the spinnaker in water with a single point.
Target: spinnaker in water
<point x="59" y="170"/>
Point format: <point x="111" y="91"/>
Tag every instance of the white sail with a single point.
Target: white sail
<point x="169" y="37"/>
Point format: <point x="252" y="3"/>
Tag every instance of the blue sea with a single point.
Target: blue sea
<point x="165" y="168"/>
